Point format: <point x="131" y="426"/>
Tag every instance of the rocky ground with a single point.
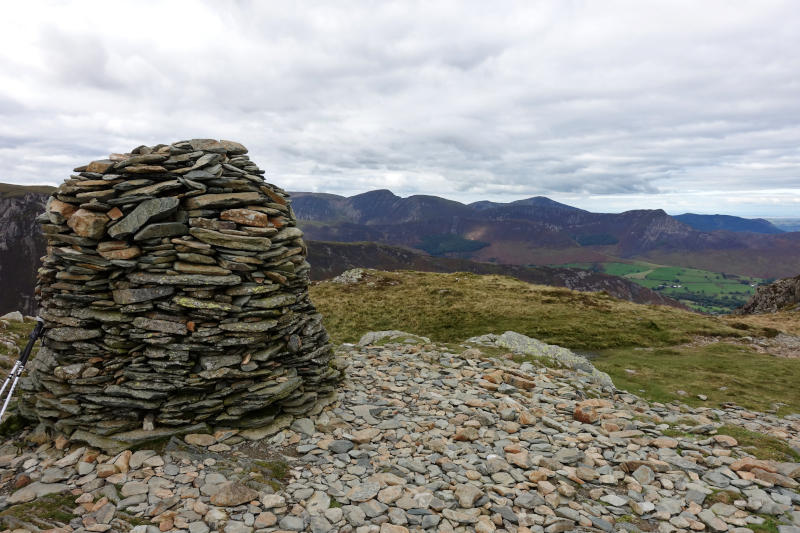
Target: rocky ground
<point x="426" y="438"/>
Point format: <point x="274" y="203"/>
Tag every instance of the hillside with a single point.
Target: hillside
<point x="8" y="190"/>
<point x="329" y="259"/>
<point x="666" y="350"/>
<point x="540" y="231"/>
<point x="727" y="223"/>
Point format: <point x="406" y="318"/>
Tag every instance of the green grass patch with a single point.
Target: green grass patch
<point x="760" y="445"/>
<point x="42" y="512"/>
<point x="133" y="520"/>
<point x="277" y="469"/>
<point x="454" y="307"/>
<point x="676" y="433"/>
<point x="747" y="378"/>
<point x="770" y="525"/>
<point x="20" y="332"/>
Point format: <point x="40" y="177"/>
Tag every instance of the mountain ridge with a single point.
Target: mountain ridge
<point x="22" y="245"/>
<point x="538" y="230"/>
<point x="729" y="223"/>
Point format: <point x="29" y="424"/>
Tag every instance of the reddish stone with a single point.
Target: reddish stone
<point x="61" y="442"/>
<point x="101" y="167"/>
<point x="775" y="478"/>
<point x="88" y="224"/>
<point x="749" y="463"/>
<point x="494" y="377"/>
<point x="125" y="253"/>
<point x="596" y="402"/>
<point x="519" y="382"/>
<point x="609" y="426"/>
<point x="725" y="440"/>
<point x="59" y="211"/>
<point x="277" y="198"/>
<point x="466" y="434"/>
<point x="97" y="183"/>
<point x="115" y="213"/>
<point x="21" y="481"/>
<point x="586" y="414"/>
<point x="246" y="217"/>
<point x="144" y="169"/>
<point x="664" y="442"/>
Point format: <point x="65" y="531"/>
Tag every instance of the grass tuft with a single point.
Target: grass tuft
<point x="44" y="511"/>
<point x="760" y="445"/>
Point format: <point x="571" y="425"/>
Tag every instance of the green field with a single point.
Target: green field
<point x="702" y="290"/>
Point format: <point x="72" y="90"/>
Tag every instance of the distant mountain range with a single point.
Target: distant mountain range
<point x="541" y="231"/>
<point x="21" y="246"/>
<point x="502" y="238"/>
<point x="785" y="224"/>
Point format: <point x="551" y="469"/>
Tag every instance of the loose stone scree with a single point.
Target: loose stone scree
<point x="174" y="293"/>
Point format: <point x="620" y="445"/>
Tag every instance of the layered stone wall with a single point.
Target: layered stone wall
<point x="174" y="293"/>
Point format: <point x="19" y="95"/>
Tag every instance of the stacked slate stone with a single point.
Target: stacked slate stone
<point x="174" y="293"/>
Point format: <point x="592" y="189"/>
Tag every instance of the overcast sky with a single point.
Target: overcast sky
<point x="608" y="106"/>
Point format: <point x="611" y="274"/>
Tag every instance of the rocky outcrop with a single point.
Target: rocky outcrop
<point x="21" y="246"/>
<point x="782" y="295"/>
<point x="560" y="356"/>
<point x="174" y="293"/>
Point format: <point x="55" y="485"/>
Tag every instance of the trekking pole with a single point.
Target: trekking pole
<point x="19" y="366"/>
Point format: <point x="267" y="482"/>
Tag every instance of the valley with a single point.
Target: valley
<point x="540" y="231"/>
<point x="701" y="290"/>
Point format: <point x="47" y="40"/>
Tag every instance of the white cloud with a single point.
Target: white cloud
<point x="669" y="104"/>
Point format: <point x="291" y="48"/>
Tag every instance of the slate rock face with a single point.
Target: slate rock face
<point x="782" y="295"/>
<point x="166" y="310"/>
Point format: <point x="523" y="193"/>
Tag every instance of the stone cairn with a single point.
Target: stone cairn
<point x="174" y="293"/>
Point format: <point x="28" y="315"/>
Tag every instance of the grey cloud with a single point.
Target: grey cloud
<point x="582" y="101"/>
